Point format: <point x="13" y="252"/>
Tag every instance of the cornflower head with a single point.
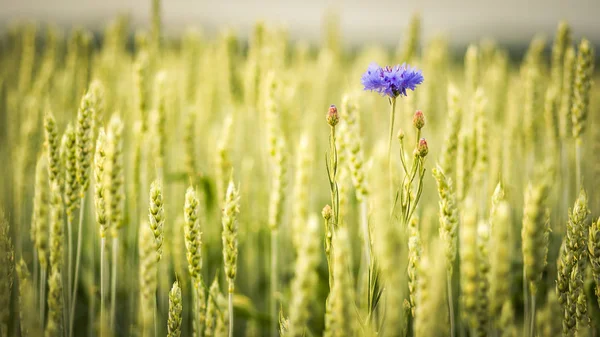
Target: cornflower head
<point x="84" y="135"/>
<point x="193" y="235"/>
<point x="391" y="81"/>
<point x="448" y="216"/>
<point x="305" y="279"/>
<point x="231" y="209"/>
<point x="7" y="265"/>
<point x="156" y="216"/>
<point x="99" y="183"/>
<point x="584" y="69"/>
<point x="68" y="151"/>
<point x="39" y="221"/>
<point x="114" y="173"/>
<point x="175" y="308"/>
<point x="566" y="93"/>
<point x="52" y="147"/>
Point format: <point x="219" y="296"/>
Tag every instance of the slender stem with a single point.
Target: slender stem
<point x="230" y="314"/>
<point x="392" y="118"/>
<point x="450" y="302"/>
<point x="525" y="304"/>
<point x="274" y="270"/>
<point x="365" y="265"/>
<point x="43" y="295"/>
<point x="102" y="290"/>
<point x="532" y="322"/>
<point x="69" y="288"/>
<point x="564" y="180"/>
<point x="154" y="313"/>
<point x="113" y="281"/>
<point x="364" y="223"/>
<point x="195" y="311"/>
<point x="36" y="272"/>
<point x="578" y="154"/>
<point x="77" y="261"/>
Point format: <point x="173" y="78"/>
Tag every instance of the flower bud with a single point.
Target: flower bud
<point x="332" y="116"/>
<point x="400" y="134"/>
<point x="422" y="148"/>
<point x="327" y="212"/>
<point x="419" y="120"/>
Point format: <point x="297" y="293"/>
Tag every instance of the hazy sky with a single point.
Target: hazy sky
<point x="509" y="21"/>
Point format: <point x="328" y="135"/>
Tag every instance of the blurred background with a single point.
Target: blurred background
<point x="510" y="22"/>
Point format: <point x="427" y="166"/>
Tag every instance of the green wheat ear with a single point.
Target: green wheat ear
<point x="175" y="309"/>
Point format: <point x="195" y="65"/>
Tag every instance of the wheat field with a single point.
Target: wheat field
<point x="229" y="185"/>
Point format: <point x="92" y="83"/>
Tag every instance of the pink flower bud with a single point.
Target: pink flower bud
<point x="332" y="116"/>
<point x="327" y="212"/>
<point x="419" y="120"/>
<point x="422" y="148"/>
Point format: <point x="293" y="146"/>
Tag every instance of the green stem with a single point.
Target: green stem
<point x="113" y="281"/>
<point x="392" y="118"/>
<point x="230" y="314"/>
<point x="102" y="290"/>
<point x="364" y="222"/>
<point x="69" y="288"/>
<point x="532" y="322"/>
<point x="43" y="295"/>
<point x="450" y="302"/>
<point x="526" y="304"/>
<point x="274" y="270"/>
<point x="77" y="261"/>
<point x="578" y="158"/>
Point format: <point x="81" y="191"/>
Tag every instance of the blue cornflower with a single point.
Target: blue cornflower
<point x="391" y="81"/>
